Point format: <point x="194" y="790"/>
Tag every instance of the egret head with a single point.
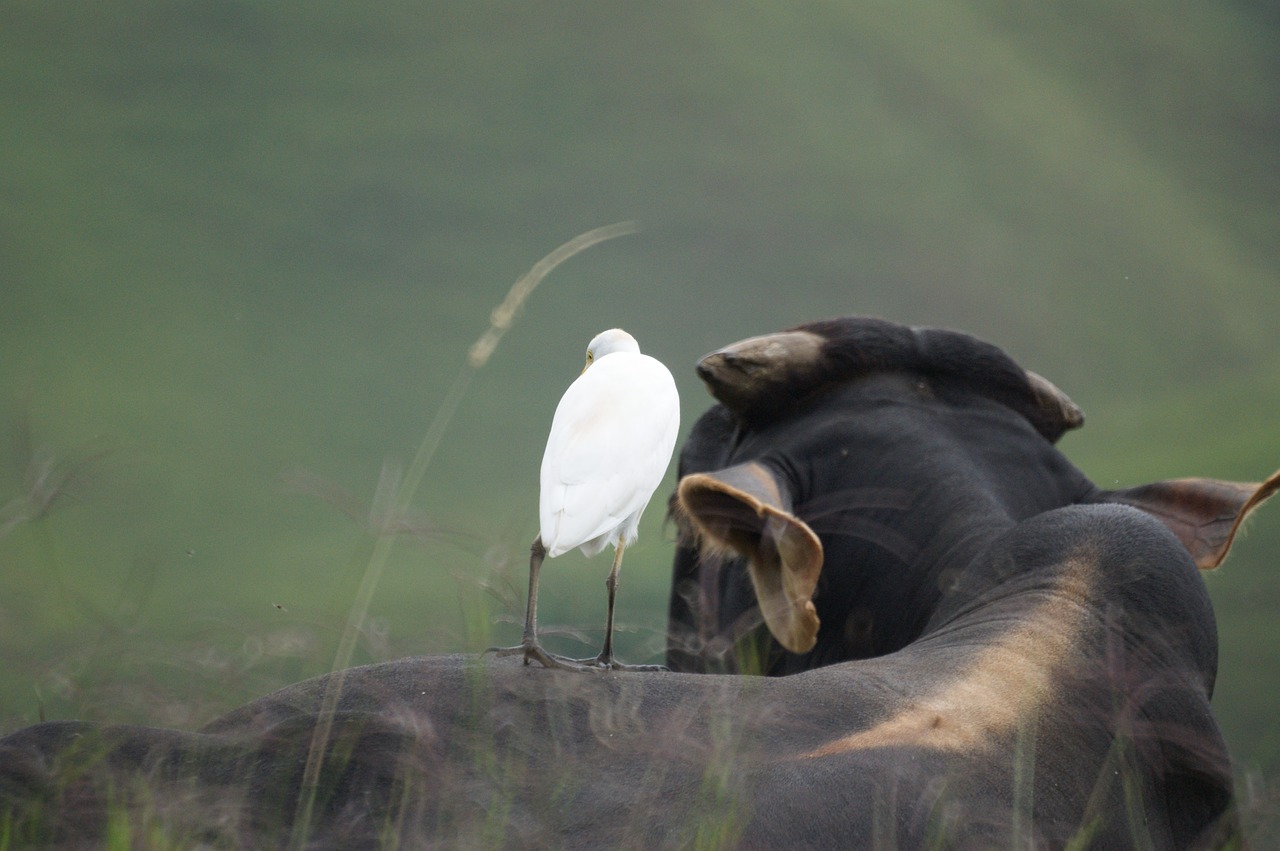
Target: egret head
<point x="608" y="342"/>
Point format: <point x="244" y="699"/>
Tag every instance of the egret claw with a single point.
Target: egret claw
<point x="533" y="651"/>
<point x="608" y="663"/>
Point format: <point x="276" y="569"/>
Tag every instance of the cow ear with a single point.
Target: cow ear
<point x="1205" y="514"/>
<point x="747" y="510"/>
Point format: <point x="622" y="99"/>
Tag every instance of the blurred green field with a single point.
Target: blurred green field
<point x="244" y="244"/>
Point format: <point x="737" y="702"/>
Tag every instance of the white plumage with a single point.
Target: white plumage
<point x="610" y="445"/>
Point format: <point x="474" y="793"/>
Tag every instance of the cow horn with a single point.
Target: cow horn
<point x="745" y="374"/>
<point x="1057" y="409"/>
<point x="747" y="510"/>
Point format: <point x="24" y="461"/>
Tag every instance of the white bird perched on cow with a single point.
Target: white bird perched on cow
<point x="610" y="444"/>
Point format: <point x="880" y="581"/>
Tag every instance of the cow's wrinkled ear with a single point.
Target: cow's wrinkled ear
<point x="1205" y="514"/>
<point x="747" y="510"/>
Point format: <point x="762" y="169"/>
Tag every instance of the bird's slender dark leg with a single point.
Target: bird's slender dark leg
<point x="529" y="646"/>
<point x="605" y="659"/>
<point x="537" y="554"/>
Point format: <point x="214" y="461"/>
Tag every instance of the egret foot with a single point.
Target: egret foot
<point x="529" y="646"/>
<point x="615" y="665"/>
<point x="532" y="651"/>
<point x="608" y="663"/>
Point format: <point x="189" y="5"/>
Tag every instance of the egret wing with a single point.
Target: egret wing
<point x="610" y="444"/>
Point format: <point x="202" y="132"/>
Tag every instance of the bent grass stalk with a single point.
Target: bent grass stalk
<point x="500" y="321"/>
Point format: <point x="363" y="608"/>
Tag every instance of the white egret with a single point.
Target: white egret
<point x="610" y="444"/>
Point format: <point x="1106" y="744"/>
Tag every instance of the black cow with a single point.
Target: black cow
<point x="870" y="491"/>
<point x="991" y="652"/>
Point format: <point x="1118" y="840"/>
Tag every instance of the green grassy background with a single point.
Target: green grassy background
<point x="240" y="240"/>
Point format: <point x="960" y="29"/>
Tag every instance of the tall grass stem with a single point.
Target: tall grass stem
<point x="500" y="321"/>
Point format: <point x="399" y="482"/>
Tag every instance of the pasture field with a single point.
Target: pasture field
<point x="245" y="246"/>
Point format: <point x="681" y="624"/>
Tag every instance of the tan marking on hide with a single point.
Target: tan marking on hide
<point x="1005" y="683"/>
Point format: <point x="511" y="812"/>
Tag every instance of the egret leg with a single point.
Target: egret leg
<point x="529" y="646"/>
<point x="605" y="659"/>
